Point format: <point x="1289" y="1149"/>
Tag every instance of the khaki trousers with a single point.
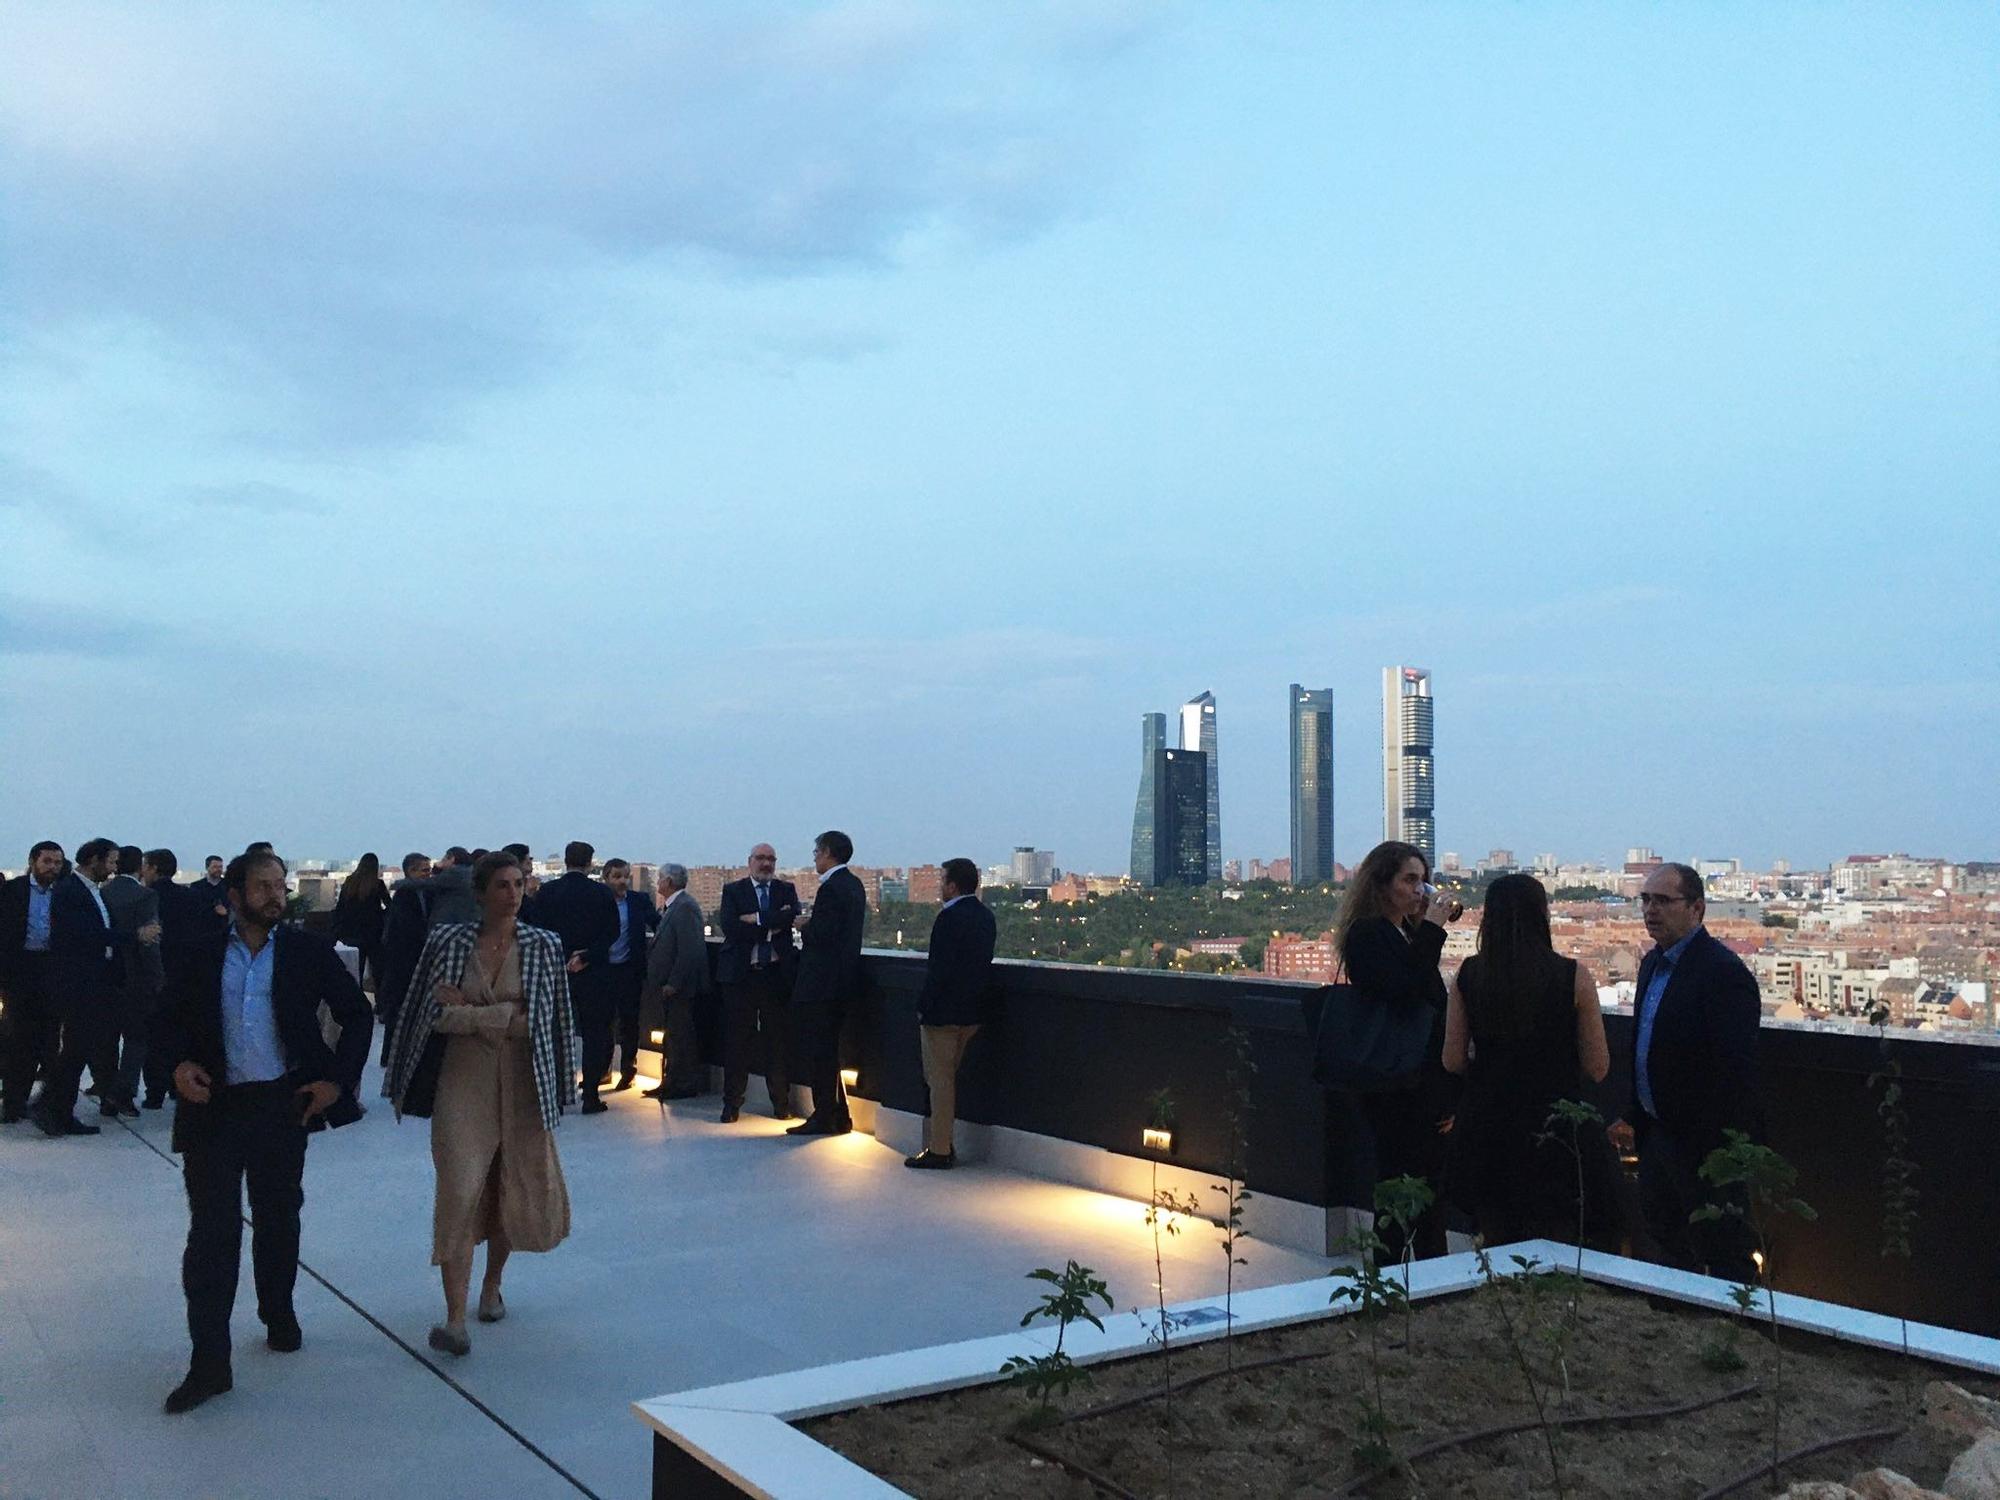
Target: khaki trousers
<point x="944" y="1048"/>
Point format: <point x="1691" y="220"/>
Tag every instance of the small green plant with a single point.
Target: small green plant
<point x="1754" y="1186"/>
<point x="1044" y="1377"/>
<point x="1163" y="1216"/>
<point x="1528" y="1283"/>
<point x="1899" y="1182"/>
<point x="1236" y="1119"/>
<point x="1402" y="1201"/>
<point x="1566" y="1124"/>
<point x="1719" y="1351"/>
<point x="1374" y="1294"/>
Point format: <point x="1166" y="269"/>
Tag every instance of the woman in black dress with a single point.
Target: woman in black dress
<point x="1390" y="935"/>
<point x="357" y="915"/>
<point x="1524" y="1028"/>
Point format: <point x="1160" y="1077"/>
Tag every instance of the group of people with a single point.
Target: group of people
<point x="1518" y="1030"/>
<point x="497" y="996"/>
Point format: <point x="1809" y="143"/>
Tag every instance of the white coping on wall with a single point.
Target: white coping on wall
<point x="742" y="1430"/>
<point x="1307" y="1227"/>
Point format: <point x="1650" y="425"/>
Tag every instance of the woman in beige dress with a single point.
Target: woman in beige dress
<point x="483" y="1047"/>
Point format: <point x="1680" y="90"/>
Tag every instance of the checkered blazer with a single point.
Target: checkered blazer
<point x="544" y="989"/>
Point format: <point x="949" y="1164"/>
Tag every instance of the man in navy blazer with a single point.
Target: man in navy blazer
<point x="625" y="964"/>
<point x="253" y="1075"/>
<point x="754" y="971"/>
<point x="829" y="980"/>
<point x="83" y="952"/>
<point x="584" y="916"/>
<point x="30" y="1033"/>
<point x="1695" y="1017"/>
<point x="958" y="980"/>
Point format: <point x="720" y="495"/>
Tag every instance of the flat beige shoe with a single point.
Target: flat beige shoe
<point x="448" y="1340"/>
<point x="493" y="1311"/>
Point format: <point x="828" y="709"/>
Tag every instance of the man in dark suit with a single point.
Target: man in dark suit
<point x="253" y="1075"/>
<point x="958" y="976"/>
<point x="677" y="971"/>
<point x="179" y="929"/>
<point x="448" y="889"/>
<point x="135" y="919"/>
<point x="754" y="970"/>
<point x="404" y="929"/>
<point x="829" y="979"/>
<point x="29" y="1030"/>
<point x="625" y="965"/>
<point x="1695" y="1019"/>
<point x="83" y="952"/>
<point x="209" y="899"/>
<point x="584" y="917"/>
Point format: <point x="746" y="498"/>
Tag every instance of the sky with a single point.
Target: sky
<point x="679" y="426"/>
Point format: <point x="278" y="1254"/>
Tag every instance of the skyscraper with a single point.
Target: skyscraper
<point x="1182" y="791"/>
<point x="1409" y="769"/>
<point x="1312" y="784"/>
<point x="1198" y="733"/>
<point x="1152" y="740"/>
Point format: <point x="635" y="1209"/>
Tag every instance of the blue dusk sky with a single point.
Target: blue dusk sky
<point x="677" y="426"/>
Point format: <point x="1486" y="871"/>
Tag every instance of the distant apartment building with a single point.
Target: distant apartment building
<point x="1409" y="766"/>
<point x="1312" y="783"/>
<point x="1198" y="732"/>
<point x="1032" y="866"/>
<point x="1291" y="956"/>
<point x="927" y="885"/>
<point x="705" y="883"/>
<point x="1218" y="947"/>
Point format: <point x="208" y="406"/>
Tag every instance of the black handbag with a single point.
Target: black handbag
<point x="420" y="1098"/>
<point x="1367" y="1044"/>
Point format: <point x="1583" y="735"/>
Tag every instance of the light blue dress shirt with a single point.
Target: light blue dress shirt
<point x="1649" y="1010"/>
<point x="622" y="949"/>
<point x="250" y="1040"/>
<point x="38" y="915"/>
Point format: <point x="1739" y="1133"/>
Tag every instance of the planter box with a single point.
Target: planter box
<point x="737" y="1439"/>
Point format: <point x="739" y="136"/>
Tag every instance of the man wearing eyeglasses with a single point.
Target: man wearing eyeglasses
<point x="1694" y="1073"/>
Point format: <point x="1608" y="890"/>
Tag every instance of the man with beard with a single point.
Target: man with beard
<point x="30" y="1030"/>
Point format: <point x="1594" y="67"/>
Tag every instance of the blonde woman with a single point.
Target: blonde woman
<point x="483" y="1047"/>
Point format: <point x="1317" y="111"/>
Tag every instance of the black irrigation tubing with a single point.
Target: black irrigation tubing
<point x="1143" y="1397"/>
<point x="1082" y="1471"/>
<point x="397" y="1339"/>
<point x="1852" y="1439"/>
<point x="1504" y="1429"/>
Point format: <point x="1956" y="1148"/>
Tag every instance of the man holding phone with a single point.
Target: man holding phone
<point x="252" y="1076"/>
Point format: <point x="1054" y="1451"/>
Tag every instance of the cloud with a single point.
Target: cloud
<point x="364" y="215"/>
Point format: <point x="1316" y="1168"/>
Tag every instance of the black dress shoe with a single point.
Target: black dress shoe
<point x="12" y="1116"/>
<point x="155" y="1101"/>
<point x="931" y="1161"/>
<point x="51" y="1126"/>
<point x="731" y="1115"/>
<point x="594" y="1106"/>
<point x="625" y="1081"/>
<point x="285" y="1337"/>
<point x="659" y="1092"/>
<point x="814" y="1125"/>
<point x="197" y="1388"/>
<point x="783" y="1114"/>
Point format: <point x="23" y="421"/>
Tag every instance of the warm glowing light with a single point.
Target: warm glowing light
<point x="850" y="1078"/>
<point x="659" y="1037"/>
<point x="1157" y="1140"/>
<point x="1757" y="1256"/>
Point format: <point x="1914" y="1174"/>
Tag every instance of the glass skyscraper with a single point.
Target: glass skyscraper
<point x="1152" y="740"/>
<point x="1183" y="790"/>
<point x="1198" y="733"/>
<point x="1312" y="785"/>
<point x="1409" y="768"/>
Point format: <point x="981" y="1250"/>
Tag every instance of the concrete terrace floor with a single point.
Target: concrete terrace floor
<point x="699" y="1253"/>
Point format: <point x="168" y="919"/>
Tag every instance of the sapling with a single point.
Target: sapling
<point x="1163" y="1216"/>
<point x="1374" y="1294"/>
<point x="1754" y="1186"/>
<point x="1899" y="1186"/>
<point x="1403" y="1201"/>
<point x="1043" y="1377"/>
<point x="1528" y="1276"/>
<point x="1566" y="1123"/>
<point x="1236" y="1119"/>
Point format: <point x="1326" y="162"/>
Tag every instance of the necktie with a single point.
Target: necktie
<point x="763" y="915"/>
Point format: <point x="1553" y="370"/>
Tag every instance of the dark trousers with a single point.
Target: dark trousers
<point x="251" y="1135"/>
<point x="30" y="1031"/>
<point x="818" y="1026"/>
<point x="1671" y="1189"/>
<point x="756" y="1016"/>
<point x="89" y="1039"/>
<point x="136" y="1005"/>
<point x="625" y="982"/>
<point x="1407" y="1144"/>
<point x="590" y="998"/>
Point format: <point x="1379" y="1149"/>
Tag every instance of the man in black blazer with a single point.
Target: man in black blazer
<point x="30" y="1032"/>
<point x="584" y="917"/>
<point x="135" y="919"/>
<point x="677" y="971"/>
<point x="1695" y="1016"/>
<point x="179" y="931"/>
<point x="83" y="952"/>
<point x="625" y="964"/>
<point x="404" y="929"/>
<point x="754" y="971"/>
<point x="958" y="978"/>
<point x="828" y="981"/>
<point x="253" y="1075"/>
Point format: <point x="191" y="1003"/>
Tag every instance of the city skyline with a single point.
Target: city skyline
<point x="372" y="476"/>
